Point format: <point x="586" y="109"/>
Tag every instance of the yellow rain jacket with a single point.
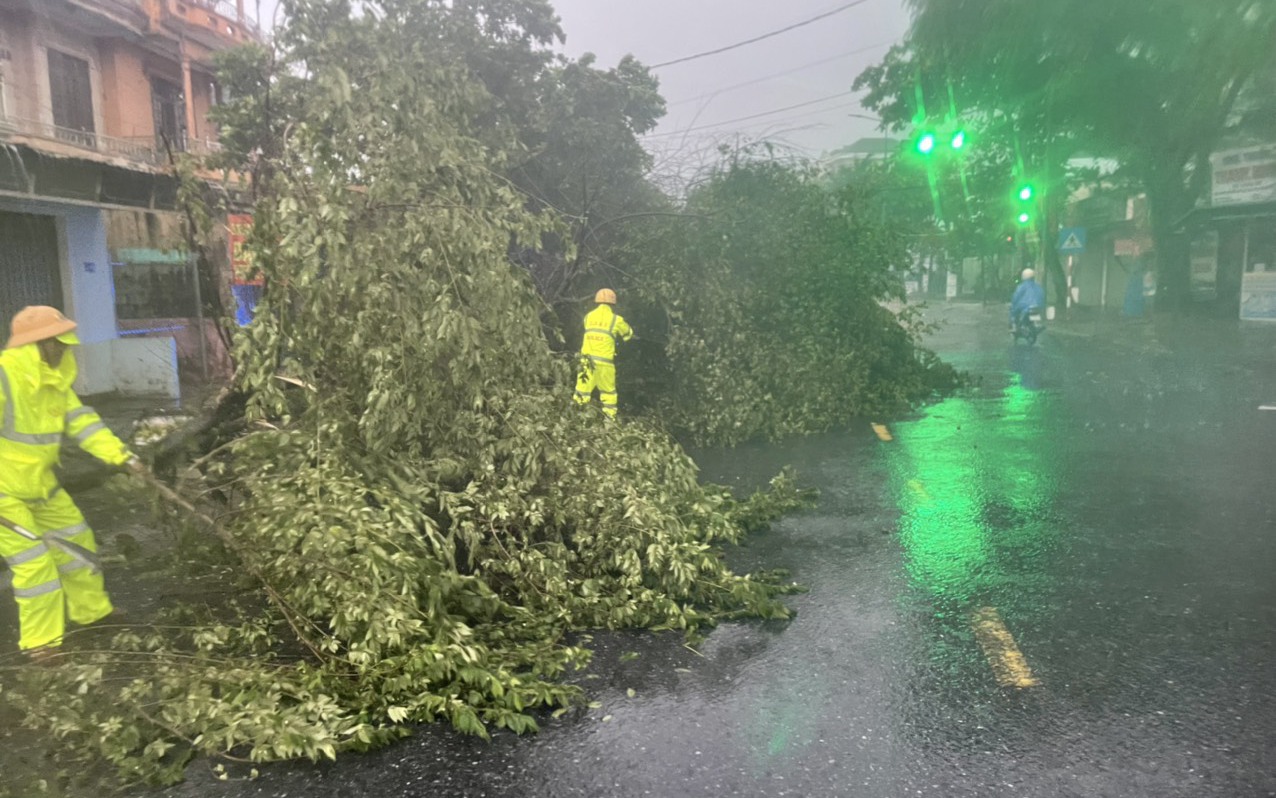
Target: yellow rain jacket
<point x="598" y="357"/>
<point x="602" y="327"/>
<point x="37" y="410"/>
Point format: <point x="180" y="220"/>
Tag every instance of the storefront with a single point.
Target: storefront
<point x="1234" y="240"/>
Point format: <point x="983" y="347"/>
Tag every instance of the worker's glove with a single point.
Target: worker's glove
<point x="136" y="466"/>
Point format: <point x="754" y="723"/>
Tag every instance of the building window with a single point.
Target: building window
<point x="72" y="96"/>
<point x="170" y="115"/>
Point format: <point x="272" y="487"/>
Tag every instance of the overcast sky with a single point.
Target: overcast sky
<point x="801" y="67"/>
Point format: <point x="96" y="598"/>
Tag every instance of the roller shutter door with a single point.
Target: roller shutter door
<point x="29" y="270"/>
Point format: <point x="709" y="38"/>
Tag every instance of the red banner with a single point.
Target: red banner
<point x="242" y="269"/>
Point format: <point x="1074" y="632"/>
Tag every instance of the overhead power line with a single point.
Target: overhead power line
<point x="746" y="42"/>
<point x="753" y="116"/>
<point x="822" y="61"/>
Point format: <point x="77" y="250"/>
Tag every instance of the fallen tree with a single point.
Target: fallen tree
<point x="768" y="295"/>
<point x="413" y="520"/>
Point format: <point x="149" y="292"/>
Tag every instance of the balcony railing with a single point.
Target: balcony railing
<point x="224" y="7"/>
<point x="141" y="150"/>
<point x="229" y="11"/>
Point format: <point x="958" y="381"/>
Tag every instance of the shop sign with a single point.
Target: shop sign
<point x="1244" y="175"/>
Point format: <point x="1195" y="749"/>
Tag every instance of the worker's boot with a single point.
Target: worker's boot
<point x="43" y="656"/>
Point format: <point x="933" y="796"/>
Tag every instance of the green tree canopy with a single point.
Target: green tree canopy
<point x="1148" y="83"/>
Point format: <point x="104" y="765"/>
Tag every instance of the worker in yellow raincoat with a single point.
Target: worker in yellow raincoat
<point x="39" y="409"/>
<point x="603" y="326"/>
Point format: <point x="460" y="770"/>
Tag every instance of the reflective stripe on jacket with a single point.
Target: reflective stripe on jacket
<point x="602" y="327"/>
<point x="37" y="409"/>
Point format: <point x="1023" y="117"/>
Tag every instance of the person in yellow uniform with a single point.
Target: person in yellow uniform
<point x="603" y="326"/>
<point x="39" y="409"/>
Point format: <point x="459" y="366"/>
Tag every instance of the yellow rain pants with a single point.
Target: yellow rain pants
<point x="48" y="584"/>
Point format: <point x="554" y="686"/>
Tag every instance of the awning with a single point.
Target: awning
<point x="1199" y="217"/>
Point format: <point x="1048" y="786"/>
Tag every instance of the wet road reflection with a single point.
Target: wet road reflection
<point x="974" y="480"/>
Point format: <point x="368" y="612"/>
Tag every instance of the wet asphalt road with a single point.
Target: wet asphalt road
<point x="1061" y="583"/>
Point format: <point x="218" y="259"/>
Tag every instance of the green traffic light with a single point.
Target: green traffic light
<point x="926" y="144"/>
<point x="1024" y="218"/>
<point x="1025" y="193"/>
<point x="959" y="140"/>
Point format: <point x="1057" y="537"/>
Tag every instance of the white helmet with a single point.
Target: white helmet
<point x="1028" y="274"/>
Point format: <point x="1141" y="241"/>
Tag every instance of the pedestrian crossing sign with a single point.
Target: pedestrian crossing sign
<point x="1071" y="240"/>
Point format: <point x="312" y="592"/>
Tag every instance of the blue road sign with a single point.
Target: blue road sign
<point x="1071" y="240"/>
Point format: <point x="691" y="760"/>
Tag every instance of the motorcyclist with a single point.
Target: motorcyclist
<point x="1028" y="296"/>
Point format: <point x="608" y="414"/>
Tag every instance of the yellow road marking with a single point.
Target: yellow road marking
<point x="1007" y="662"/>
<point x="919" y="489"/>
<point x="882" y="432"/>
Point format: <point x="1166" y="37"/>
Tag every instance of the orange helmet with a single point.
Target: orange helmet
<point x="605" y="296"/>
<point x="38" y="323"/>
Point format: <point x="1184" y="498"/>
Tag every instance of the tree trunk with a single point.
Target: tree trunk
<point x="1050" y="261"/>
<point x="1168" y="201"/>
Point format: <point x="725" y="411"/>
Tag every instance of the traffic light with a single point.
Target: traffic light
<point x="1025" y="196"/>
<point x="930" y="141"/>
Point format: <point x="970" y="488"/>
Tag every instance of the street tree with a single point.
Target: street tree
<point x="1150" y="84"/>
<point x="583" y="160"/>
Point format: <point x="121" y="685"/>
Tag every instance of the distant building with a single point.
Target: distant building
<point x="93" y="96"/>
<point x="1234" y="233"/>
<point x="868" y="149"/>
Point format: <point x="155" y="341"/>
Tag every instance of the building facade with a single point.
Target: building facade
<point x="95" y="98"/>
<point x="1234" y="233"/>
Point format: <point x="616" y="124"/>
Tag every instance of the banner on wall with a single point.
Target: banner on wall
<point x="245" y="280"/>
<point x="1258" y="296"/>
<point x="242" y="269"/>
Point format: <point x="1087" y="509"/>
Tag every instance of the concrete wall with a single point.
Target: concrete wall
<point x="202" y="89"/>
<point x="126" y="93"/>
<point x="95" y="370"/>
<point x="88" y="292"/>
<point x="86" y="274"/>
<point x="146" y="367"/>
<point x="159" y="230"/>
<point x="129" y="366"/>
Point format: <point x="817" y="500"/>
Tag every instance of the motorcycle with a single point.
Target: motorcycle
<point x="1029" y="325"/>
